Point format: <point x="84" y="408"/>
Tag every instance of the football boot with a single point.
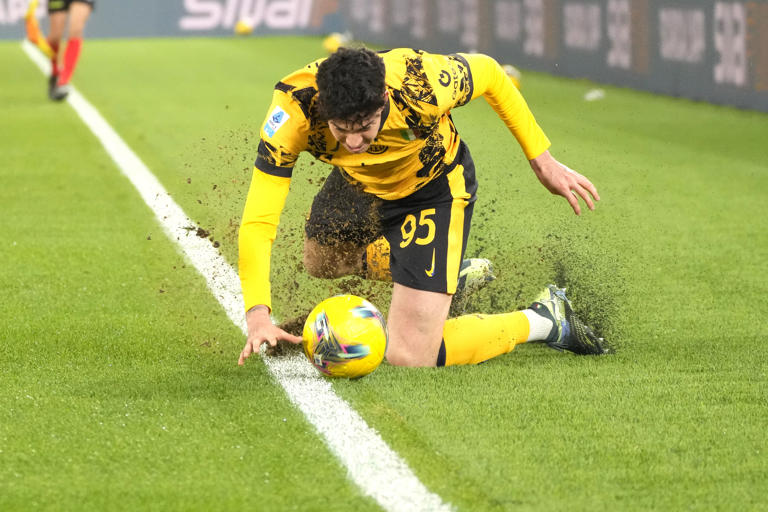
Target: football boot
<point x="568" y="331"/>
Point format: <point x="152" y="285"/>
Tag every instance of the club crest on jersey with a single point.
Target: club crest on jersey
<point x="377" y="149"/>
<point x="275" y="120"/>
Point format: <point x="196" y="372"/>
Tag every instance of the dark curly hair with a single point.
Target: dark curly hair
<point x="350" y="85"/>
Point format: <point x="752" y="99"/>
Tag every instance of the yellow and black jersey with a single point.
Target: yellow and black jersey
<point x="417" y="141"/>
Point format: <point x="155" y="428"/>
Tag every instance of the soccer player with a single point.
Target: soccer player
<point x="398" y="202"/>
<point x="76" y="12"/>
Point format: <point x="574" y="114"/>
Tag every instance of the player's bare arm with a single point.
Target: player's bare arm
<point x="564" y="181"/>
<point x="262" y="330"/>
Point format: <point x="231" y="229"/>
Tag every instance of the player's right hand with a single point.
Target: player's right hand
<point x="563" y="181"/>
<point x="262" y="330"/>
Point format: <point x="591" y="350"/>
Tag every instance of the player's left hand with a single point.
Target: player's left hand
<point x="564" y="181"/>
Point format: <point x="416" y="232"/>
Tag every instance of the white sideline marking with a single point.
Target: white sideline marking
<point x="376" y="469"/>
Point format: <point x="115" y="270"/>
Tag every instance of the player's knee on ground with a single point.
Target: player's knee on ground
<point x="398" y="354"/>
<point x="415" y="323"/>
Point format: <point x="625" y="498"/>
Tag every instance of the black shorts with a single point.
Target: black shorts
<point x="63" y="5"/>
<point x="427" y="231"/>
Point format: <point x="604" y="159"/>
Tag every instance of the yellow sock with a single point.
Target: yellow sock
<point x="377" y="260"/>
<point x="472" y="339"/>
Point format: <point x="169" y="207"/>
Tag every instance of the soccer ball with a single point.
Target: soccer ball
<point x="334" y="41"/>
<point x="345" y="336"/>
<point x="243" y="27"/>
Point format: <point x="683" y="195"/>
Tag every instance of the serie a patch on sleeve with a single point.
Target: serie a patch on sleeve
<point x="276" y="119"/>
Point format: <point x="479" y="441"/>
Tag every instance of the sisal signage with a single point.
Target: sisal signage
<point x="155" y="18"/>
<point x="205" y="15"/>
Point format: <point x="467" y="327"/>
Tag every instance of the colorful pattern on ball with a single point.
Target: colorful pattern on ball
<point x="328" y="350"/>
<point x="345" y="336"/>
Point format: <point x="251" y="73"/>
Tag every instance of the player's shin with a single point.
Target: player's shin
<point x="472" y="339"/>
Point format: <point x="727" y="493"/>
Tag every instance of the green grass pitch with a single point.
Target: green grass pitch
<point x="119" y="388"/>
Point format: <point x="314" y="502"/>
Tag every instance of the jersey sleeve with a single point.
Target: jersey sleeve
<point x="283" y="137"/>
<point x="258" y="229"/>
<point x="450" y="78"/>
<point x="464" y="77"/>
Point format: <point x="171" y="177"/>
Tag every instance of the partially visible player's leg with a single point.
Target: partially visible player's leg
<point x="58" y="22"/>
<point x="419" y="334"/>
<point x="418" y="330"/>
<point x="79" y="11"/>
<point x="342" y="222"/>
<point x="472" y="339"/>
<point x="428" y="233"/>
<point x="550" y="319"/>
<point x="57" y="17"/>
<point x="329" y="261"/>
<point x="569" y="332"/>
<point x="344" y="237"/>
<point x="415" y="326"/>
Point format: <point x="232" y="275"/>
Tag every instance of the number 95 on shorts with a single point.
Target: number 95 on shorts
<point x="428" y="230"/>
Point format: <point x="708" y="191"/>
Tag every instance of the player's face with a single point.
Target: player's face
<point x="356" y="137"/>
